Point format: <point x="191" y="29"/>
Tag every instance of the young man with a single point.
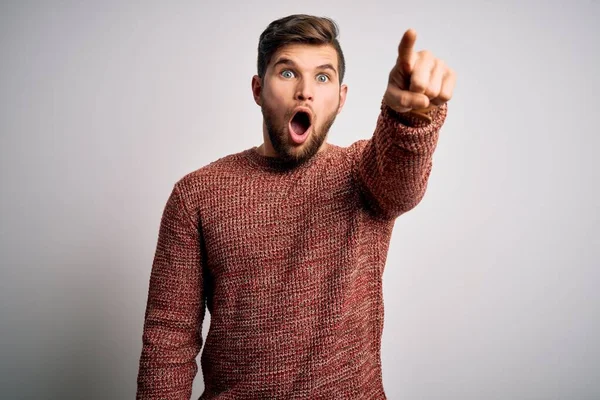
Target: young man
<point x="285" y="243"/>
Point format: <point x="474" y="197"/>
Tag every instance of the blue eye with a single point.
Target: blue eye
<point x="322" y="78"/>
<point x="287" y="73"/>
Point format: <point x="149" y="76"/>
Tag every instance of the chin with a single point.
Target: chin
<point x="303" y="152"/>
<point x="289" y="151"/>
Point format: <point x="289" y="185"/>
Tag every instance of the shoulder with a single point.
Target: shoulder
<point x="224" y="165"/>
<point x="353" y="151"/>
<point x="356" y="148"/>
<point x="196" y="186"/>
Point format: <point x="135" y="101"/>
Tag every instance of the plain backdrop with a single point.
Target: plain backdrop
<point x="491" y="283"/>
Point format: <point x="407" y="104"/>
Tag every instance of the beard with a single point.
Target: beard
<point x="278" y="131"/>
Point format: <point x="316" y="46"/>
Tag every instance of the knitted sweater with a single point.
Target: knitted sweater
<point x="289" y="263"/>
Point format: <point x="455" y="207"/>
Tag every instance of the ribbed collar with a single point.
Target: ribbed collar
<point x="277" y="164"/>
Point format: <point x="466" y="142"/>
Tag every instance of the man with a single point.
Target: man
<point x="285" y="243"/>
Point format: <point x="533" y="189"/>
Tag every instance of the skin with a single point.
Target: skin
<point x="300" y="81"/>
<point x="417" y="81"/>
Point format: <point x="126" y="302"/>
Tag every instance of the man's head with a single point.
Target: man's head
<point x="299" y="85"/>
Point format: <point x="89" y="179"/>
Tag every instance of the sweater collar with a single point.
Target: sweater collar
<point x="275" y="163"/>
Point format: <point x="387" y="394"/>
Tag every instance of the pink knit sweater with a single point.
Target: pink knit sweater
<point x="289" y="263"/>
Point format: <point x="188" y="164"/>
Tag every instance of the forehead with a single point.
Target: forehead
<point x="307" y="55"/>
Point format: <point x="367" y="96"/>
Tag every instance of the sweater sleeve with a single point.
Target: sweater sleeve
<point x="172" y="336"/>
<point x="395" y="164"/>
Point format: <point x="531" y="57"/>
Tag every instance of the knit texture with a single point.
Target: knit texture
<point x="289" y="263"/>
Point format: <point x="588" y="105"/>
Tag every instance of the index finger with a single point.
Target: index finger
<point x="405" y="50"/>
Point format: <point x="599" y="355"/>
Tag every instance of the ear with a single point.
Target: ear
<point x="256" y="89"/>
<point x="343" y="93"/>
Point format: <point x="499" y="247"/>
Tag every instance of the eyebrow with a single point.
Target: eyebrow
<point x="287" y="61"/>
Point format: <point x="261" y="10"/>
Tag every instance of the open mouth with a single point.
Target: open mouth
<point x="300" y="123"/>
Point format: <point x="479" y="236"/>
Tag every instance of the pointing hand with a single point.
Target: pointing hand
<point x="419" y="80"/>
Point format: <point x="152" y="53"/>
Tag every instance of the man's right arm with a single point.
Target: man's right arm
<point x="172" y="336"/>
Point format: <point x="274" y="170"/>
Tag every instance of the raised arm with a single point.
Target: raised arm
<point x="394" y="166"/>
<point x="172" y="336"/>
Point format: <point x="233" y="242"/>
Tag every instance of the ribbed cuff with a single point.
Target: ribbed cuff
<point x="415" y="119"/>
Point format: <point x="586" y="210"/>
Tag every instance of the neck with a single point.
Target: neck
<point x="267" y="150"/>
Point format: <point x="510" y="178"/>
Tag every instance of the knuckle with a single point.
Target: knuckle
<point x="441" y="64"/>
<point x="444" y="95"/>
<point x="418" y="85"/>
<point x="432" y="91"/>
<point x="405" y="100"/>
<point x="426" y="53"/>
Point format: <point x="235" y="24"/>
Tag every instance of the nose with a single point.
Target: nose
<point x="304" y="91"/>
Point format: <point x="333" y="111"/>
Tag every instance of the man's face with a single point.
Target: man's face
<point x="300" y="97"/>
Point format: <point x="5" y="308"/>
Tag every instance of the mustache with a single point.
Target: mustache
<point x="294" y="110"/>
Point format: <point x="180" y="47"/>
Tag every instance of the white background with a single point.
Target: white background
<point x="491" y="283"/>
